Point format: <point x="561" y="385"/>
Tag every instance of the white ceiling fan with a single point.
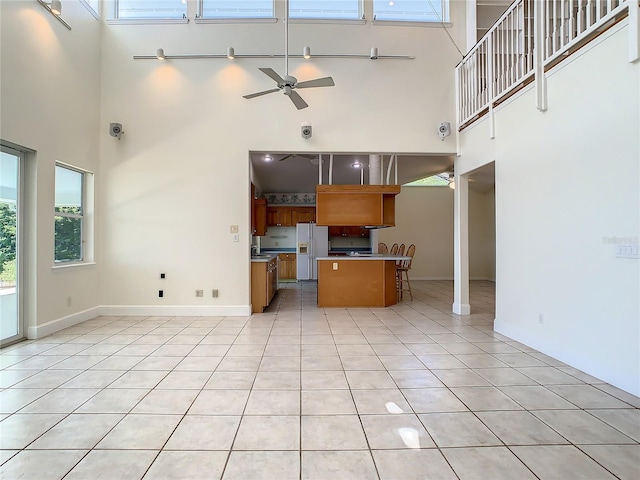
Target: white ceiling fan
<point x="288" y="84"/>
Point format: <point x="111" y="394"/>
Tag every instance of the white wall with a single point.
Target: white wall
<point x="424" y="217"/>
<point x="50" y="103"/>
<point x="482" y="235"/>
<point x="566" y="180"/>
<point x="179" y="177"/>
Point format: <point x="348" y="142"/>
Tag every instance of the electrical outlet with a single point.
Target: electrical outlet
<point x="335" y="265"/>
<point x="163" y="276"/>
<point x="234" y="228"/>
<point x="199" y="293"/>
<point x="214" y="293"/>
<point x="160" y="293"/>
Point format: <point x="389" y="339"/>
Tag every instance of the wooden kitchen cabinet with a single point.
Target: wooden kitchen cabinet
<point x="349" y="231"/>
<point x="260" y="215"/>
<point x="303" y="215"/>
<point x="363" y="205"/>
<point x="287" y="270"/>
<point x="279" y="217"/>
<point x="264" y="284"/>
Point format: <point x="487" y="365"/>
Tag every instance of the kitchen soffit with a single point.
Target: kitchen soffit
<point x="299" y="174"/>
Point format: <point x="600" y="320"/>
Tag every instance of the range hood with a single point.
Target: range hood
<point x="368" y="206"/>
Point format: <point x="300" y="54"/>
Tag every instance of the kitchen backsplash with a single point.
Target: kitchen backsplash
<point x="345" y="242"/>
<point x="290" y="198"/>
<point x="283" y="237"/>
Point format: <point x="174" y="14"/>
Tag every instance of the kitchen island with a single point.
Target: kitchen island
<point x="366" y="280"/>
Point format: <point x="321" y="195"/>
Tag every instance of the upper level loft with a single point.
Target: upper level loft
<point x="529" y="38"/>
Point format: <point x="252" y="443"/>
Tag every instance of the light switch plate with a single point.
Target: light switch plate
<point x="234" y="228"/>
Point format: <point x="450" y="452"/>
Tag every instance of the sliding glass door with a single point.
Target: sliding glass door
<point x="11" y="325"/>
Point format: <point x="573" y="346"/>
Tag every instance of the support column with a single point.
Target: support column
<point x="461" y="304"/>
<point x="375" y="170"/>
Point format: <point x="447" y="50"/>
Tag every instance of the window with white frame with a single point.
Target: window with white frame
<point x="70" y="214"/>
<point x="325" y="9"/>
<point x="411" y="10"/>
<point x="150" y="9"/>
<point x="236" y="8"/>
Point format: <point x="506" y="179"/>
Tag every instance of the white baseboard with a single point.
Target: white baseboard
<point x="58" y="324"/>
<point x="67" y="321"/>
<point x="411" y="277"/>
<point x="177" y="310"/>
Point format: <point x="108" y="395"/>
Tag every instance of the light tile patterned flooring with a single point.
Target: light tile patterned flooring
<point x="300" y="392"/>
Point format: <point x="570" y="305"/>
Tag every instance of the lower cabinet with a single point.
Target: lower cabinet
<point x="287" y="270"/>
<point x="264" y="284"/>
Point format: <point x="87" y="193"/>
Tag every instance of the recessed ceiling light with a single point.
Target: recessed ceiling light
<point x="267" y="158"/>
<point x="391" y="3"/>
<point x="356" y="164"/>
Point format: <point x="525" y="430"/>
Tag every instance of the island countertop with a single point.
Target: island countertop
<point x="366" y="256"/>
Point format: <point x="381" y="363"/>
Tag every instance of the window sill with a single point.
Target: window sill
<point x="399" y="23"/>
<point x="235" y="20"/>
<point x="147" y="21"/>
<point x="72" y="266"/>
<point x="341" y="21"/>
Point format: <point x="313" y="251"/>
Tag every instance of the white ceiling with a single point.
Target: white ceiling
<point x="299" y="174"/>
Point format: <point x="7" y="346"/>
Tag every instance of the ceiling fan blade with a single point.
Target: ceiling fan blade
<point x="270" y="72"/>
<point x="253" y="95"/>
<point x="297" y="100"/>
<point x="318" y="82"/>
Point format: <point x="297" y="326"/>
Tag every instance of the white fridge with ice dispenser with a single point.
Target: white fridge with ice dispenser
<point x="312" y="242"/>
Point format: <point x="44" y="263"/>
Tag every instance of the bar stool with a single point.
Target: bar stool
<point x="402" y="273"/>
<point x="382" y="248"/>
<point x="394" y="249"/>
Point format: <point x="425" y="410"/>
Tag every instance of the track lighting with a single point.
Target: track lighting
<point x="356" y="164"/>
<point x="56" y="7"/>
<point x="160" y="54"/>
<point x="267" y="158"/>
<point x="230" y="54"/>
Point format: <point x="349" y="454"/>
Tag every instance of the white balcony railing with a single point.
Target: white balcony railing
<point x="506" y="57"/>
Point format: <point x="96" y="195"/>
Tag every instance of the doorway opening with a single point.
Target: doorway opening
<point x="11" y="254"/>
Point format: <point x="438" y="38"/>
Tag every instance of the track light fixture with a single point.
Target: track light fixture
<point x="55" y="9"/>
<point x="306" y="54"/>
<point x="160" y="54"/>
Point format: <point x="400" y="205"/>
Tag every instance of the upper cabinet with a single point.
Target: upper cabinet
<point x="280" y="216"/>
<point x="258" y="214"/>
<point x="360" y="205"/>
